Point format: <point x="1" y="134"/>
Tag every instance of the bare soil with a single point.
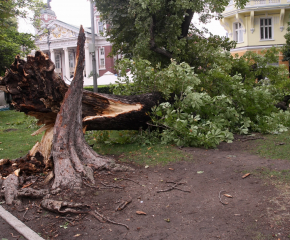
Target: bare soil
<point x="258" y="209"/>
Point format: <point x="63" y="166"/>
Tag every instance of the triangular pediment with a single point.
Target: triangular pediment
<point x="58" y="30"/>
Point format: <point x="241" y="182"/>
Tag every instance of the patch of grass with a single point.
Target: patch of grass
<point x="261" y="236"/>
<point x="278" y="177"/>
<point x="132" y="146"/>
<point x="275" y="146"/>
<point x="15" y="134"/>
<point x="143" y="155"/>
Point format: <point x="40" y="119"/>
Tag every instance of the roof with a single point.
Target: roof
<point x="73" y="27"/>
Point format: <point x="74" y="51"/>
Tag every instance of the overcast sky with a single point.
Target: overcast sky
<point x="77" y="12"/>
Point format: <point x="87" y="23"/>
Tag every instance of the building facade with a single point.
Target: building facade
<point x="260" y="25"/>
<point x="59" y="40"/>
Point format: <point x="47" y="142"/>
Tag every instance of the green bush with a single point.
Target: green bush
<point x="101" y="89"/>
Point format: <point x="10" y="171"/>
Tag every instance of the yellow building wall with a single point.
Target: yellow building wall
<point x="278" y="11"/>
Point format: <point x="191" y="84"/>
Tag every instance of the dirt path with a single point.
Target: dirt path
<point x="258" y="209"/>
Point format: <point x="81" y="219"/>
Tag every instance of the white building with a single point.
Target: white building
<point x="60" y="39"/>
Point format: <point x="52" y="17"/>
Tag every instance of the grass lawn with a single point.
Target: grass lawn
<point x="15" y="134"/>
<point x="275" y="146"/>
<point x="16" y="140"/>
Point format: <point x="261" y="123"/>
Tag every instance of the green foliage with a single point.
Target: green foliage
<point x="211" y="94"/>
<point x="286" y="47"/>
<point x="13" y="42"/>
<point x="101" y="89"/>
<point x="159" y="30"/>
<point x="214" y="102"/>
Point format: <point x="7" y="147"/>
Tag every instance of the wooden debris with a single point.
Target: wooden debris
<point x="228" y="195"/>
<point x="123" y="205"/>
<point x="4" y="161"/>
<point x="224" y="203"/>
<point x="48" y="178"/>
<point x="246" y="175"/>
<point x="11" y="185"/>
<point x="173" y="187"/>
<point x="64" y="207"/>
<point x="140" y="213"/>
<point x="95" y="214"/>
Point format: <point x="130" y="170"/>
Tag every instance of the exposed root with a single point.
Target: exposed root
<point x="64" y="207"/>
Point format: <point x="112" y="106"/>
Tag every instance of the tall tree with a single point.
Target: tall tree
<point x="161" y="29"/>
<point x="12" y="42"/>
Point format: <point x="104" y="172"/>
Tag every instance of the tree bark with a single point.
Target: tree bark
<point x="39" y="92"/>
<point x="72" y="156"/>
<point x="65" y="113"/>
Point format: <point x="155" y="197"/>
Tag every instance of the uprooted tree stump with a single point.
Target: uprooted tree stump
<point x="66" y="113"/>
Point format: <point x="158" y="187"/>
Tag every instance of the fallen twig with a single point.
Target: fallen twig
<point x="24" y="215"/>
<point x="106" y="219"/>
<point x="111" y="186"/>
<point x="14" y="236"/>
<point x="224" y="203"/>
<point x="123" y="205"/>
<point x="173" y="187"/>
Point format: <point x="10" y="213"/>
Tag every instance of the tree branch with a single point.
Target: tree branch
<point x="153" y="45"/>
<point x="186" y="23"/>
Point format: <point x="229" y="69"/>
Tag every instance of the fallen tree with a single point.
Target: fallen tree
<point x="65" y="113"/>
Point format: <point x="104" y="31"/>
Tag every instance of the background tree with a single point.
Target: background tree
<point x="161" y="30"/>
<point x="12" y="42"/>
<point x="286" y="47"/>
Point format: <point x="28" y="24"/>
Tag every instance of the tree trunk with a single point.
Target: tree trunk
<point x="66" y="112"/>
<point x="72" y="156"/>
<point x="39" y="92"/>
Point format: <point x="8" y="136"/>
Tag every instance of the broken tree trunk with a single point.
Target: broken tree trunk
<point x="72" y="156"/>
<point x="39" y="92"/>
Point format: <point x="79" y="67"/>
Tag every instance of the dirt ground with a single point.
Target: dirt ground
<point x="258" y="209"/>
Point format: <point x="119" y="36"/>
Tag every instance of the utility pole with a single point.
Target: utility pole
<point x="93" y="48"/>
<point x="48" y="42"/>
<point x="48" y="31"/>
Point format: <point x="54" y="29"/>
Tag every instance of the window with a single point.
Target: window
<point x="238" y="33"/>
<point x="102" y="63"/>
<point x="102" y="51"/>
<point x="266" y="28"/>
<point x="57" y="61"/>
<point x="71" y="60"/>
<point x="102" y="57"/>
<point x="101" y="27"/>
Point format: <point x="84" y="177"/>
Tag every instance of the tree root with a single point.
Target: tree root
<point x="64" y="207"/>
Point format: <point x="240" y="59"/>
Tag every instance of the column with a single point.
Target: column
<point x="88" y="63"/>
<point x="52" y="58"/>
<point x="66" y="63"/>
<point x="97" y="60"/>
